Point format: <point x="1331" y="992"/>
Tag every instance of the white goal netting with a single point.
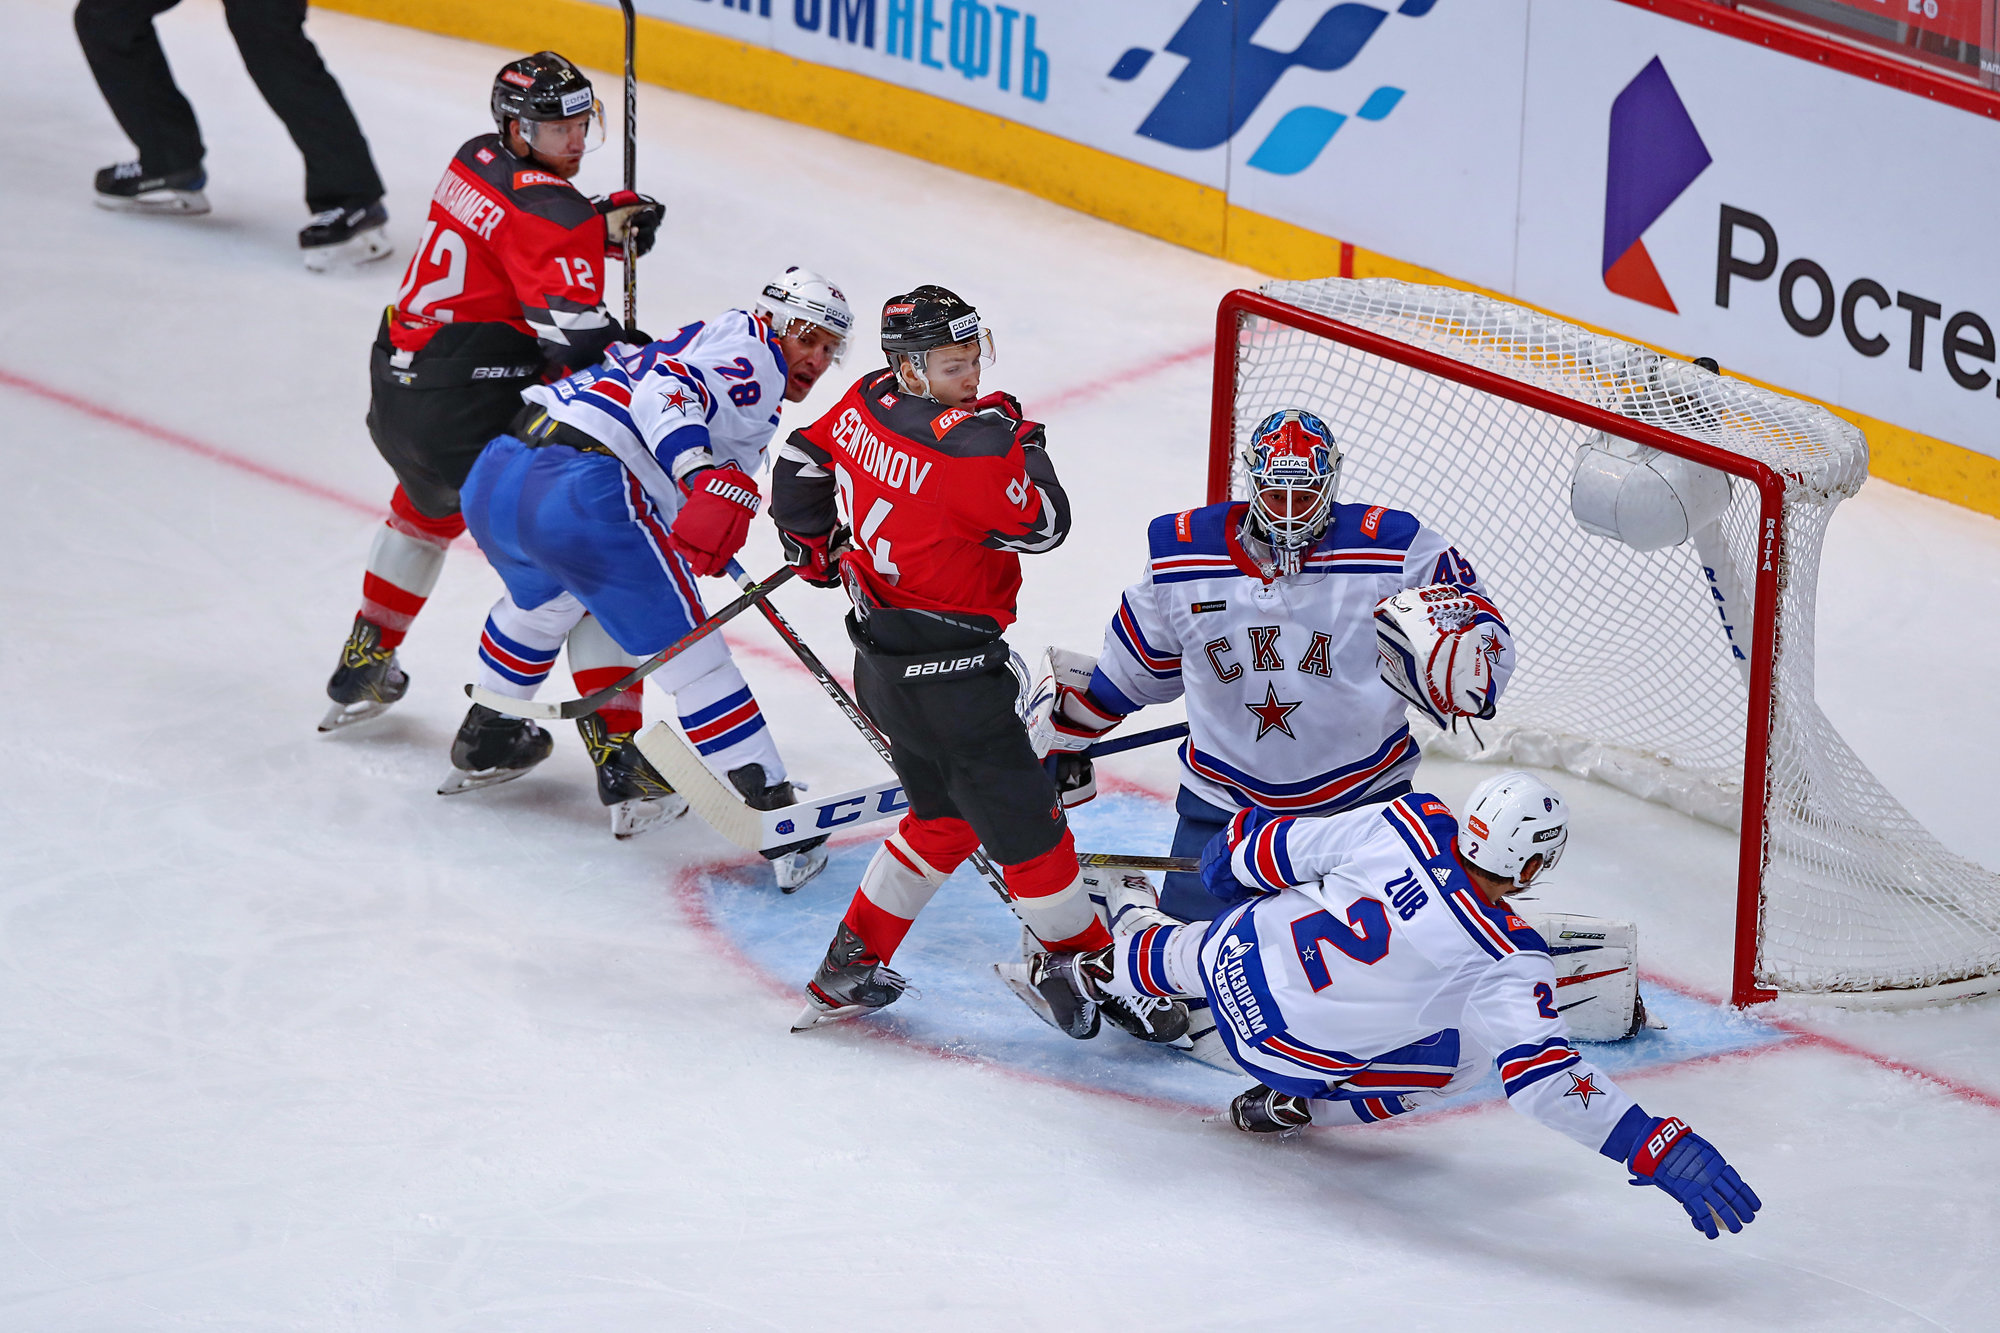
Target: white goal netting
<point x="1626" y="671"/>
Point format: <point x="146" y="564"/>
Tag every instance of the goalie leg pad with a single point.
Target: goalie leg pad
<point x="1597" y="973"/>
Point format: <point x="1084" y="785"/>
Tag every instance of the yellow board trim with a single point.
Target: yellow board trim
<point x="854" y="106"/>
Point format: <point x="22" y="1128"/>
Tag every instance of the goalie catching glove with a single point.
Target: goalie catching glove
<point x="1444" y="649"/>
<point x="1062" y="719"/>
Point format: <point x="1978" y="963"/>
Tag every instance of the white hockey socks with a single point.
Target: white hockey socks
<point x="1158" y="960"/>
<point x="595" y="661"/>
<point x="403" y="569"/>
<point x="517" y="647"/>
<point x="724" y="724"/>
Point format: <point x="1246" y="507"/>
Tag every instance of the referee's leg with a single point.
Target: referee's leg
<point x="287" y="69"/>
<point x="131" y="70"/>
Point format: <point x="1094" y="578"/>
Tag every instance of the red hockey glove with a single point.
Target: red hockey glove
<point x="711" y="526"/>
<point x="1026" y="432"/>
<point x="816" y="558"/>
<point x="622" y="207"/>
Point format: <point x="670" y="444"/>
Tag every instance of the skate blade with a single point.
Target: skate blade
<point x="631" y="818"/>
<point x="360" y="248"/>
<point x="346" y="715"/>
<point x="184" y="202"/>
<point x="458" y="780"/>
<point x="795" y="869"/>
<point x="813" y="1015"/>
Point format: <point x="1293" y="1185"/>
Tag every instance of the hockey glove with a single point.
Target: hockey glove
<point x="1062" y="716"/>
<point x="1026" y="432"/>
<point x="1687" y="1166"/>
<point x="1218" y="858"/>
<point x="1265" y="1110"/>
<point x="817" y="559"/>
<point x="711" y="526"/>
<point x="1444" y="649"/>
<point x="622" y="208"/>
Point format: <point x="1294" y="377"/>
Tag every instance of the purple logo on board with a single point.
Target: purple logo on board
<point x="1655" y="155"/>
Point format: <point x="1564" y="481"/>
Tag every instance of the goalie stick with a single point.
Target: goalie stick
<point x="570" y="709"/>
<point x="631" y="263"/>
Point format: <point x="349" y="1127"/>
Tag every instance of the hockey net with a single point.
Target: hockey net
<point x="1682" y="675"/>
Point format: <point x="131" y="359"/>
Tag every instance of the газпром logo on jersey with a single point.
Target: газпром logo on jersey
<point x="1228" y="75"/>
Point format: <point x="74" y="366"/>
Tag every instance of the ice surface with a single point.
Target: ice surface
<point x="287" y="1042"/>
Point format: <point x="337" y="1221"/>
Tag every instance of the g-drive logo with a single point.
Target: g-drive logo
<point x="1228" y="76"/>
<point x="1655" y="154"/>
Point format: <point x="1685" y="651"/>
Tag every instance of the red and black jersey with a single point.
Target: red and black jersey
<point x="940" y="500"/>
<point x="506" y="243"/>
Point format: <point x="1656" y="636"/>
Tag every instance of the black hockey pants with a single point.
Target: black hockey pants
<point x="131" y="69"/>
<point x="957" y="743"/>
<point x="431" y="418"/>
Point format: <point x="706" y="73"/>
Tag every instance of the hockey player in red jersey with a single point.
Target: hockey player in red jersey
<point x="505" y="290"/>
<point x="944" y="490"/>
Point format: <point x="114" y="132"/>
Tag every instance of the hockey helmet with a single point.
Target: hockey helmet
<point x="801" y="294"/>
<point x="929" y="317"/>
<point x="542" y="88"/>
<point x="1510" y="820"/>
<point x="1294" y="466"/>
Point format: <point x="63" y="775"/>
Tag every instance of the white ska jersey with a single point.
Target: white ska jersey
<point x="1286" y="709"/>
<point x="707" y="396"/>
<point x="1371" y="970"/>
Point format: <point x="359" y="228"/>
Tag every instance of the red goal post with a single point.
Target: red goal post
<point x="1406" y="374"/>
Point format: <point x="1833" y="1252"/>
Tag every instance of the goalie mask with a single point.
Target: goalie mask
<point x="1294" y="467"/>
<point x="1511" y="820"/>
<point x="801" y="295"/>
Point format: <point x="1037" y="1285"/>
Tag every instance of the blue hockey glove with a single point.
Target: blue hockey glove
<point x="1218" y="875"/>
<point x="1687" y="1166"/>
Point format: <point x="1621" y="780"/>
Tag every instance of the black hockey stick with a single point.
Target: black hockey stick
<point x="1116" y="861"/>
<point x="631" y="165"/>
<point x="1135" y="740"/>
<point x="570" y="709"/>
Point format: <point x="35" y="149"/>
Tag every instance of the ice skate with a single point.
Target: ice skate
<point x="794" y="863"/>
<point x="1264" y="1110"/>
<point x="638" y="797"/>
<point x="848" y="984"/>
<point x="344" y="237"/>
<point x="1129" y="903"/>
<point x="492" y="748"/>
<point x="367" y="680"/>
<point x="1069" y="1000"/>
<point x="126" y="188"/>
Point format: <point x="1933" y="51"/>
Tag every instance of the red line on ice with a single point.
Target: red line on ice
<point x="1097" y="388"/>
<point x="188" y="444"/>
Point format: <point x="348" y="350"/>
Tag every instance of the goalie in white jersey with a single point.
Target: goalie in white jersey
<point x="1367" y="963"/>
<point x="1265" y="615"/>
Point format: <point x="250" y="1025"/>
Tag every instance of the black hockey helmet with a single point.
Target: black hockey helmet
<point x="543" y="86"/>
<point x="929" y="316"/>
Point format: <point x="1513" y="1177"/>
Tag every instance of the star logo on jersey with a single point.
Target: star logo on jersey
<point x="1272" y="714"/>
<point x="1583" y="1087"/>
<point x="678" y="398"/>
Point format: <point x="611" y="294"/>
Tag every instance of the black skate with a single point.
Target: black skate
<point x="795" y="862"/>
<point x="638" y="797"/>
<point x="847" y="983"/>
<point x="1152" y="1018"/>
<point x="1069" y="994"/>
<point x="492" y="748"/>
<point x="126" y="188"/>
<point x="1265" y="1110"/>
<point x="338" y="236"/>
<point x="367" y="680"/>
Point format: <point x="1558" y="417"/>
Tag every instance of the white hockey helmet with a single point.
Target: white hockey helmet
<point x="1510" y="820"/>
<point x="801" y="294"/>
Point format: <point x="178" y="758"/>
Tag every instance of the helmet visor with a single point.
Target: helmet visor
<point x="572" y="136"/>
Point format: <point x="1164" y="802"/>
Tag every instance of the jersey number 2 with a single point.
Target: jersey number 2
<point x="1364" y="937"/>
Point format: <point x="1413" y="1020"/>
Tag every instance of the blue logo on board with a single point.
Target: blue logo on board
<point x="1228" y="76"/>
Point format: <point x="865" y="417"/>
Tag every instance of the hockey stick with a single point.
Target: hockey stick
<point x="631" y="164"/>
<point x="1134" y="741"/>
<point x="570" y="709"/>
<point x="1119" y="861"/>
<point x="725" y="811"/>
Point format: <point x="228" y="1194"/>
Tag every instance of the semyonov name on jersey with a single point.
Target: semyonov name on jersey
<point x="888" y="465"/>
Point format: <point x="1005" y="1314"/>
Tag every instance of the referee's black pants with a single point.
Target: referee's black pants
<point x="131" y="69"/>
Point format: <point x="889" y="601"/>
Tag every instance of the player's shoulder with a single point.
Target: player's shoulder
<point x="522" y="185"/>
<point x="731" y="335"/>
<point x="1370" y="526"/>
<point x="951" y="431"/>
<point x="1192" y="532"/>
<point x="1427" y="828"/>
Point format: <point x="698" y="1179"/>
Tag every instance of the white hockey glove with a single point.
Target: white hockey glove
<point x="1062" y="720"/>
<point x="1597" y="974"/>
<point x="1444" y="649"/>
